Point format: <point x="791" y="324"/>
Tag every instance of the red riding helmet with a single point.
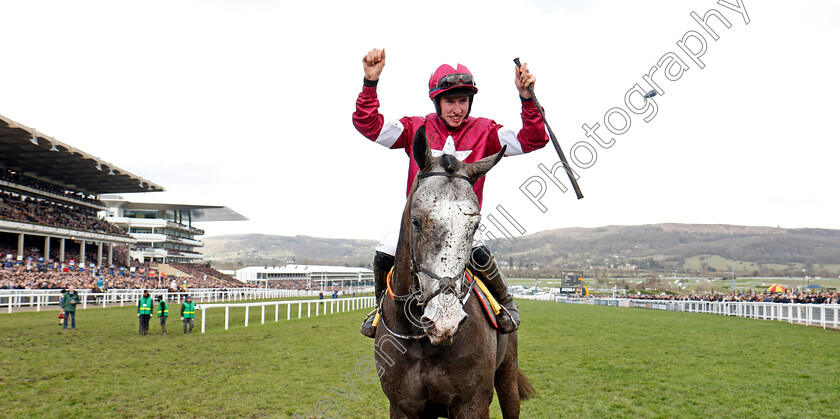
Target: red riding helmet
<point x="446" y="78"/>
<point x="448" y="81"/>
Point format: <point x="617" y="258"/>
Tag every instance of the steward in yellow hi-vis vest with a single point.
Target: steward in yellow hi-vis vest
<point x="144" y="312"/>
<point x="188" y="314"/>
<point x="163" y="313"/>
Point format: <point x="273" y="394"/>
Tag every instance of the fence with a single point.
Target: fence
<point x="825" y="315"/>
<point x="38" y="299"/>
<point x="334" y="305"/>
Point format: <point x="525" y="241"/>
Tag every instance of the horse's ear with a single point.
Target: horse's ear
<point x="422" y="154"/>
<point x="480" y="168"/>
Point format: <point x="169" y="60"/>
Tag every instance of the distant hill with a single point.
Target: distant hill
<point x="655" y="247"/>
<point x="233" y="251"/>
<point x="682" y="247"/>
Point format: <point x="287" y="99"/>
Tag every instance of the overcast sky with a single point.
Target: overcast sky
<point x="248" y="104"/>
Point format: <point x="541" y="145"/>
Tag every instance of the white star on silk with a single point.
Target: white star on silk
<point x="449" y="148"/>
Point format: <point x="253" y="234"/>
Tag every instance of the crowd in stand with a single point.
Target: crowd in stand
<point x="201" y="271"/>
<point x="786" y="297"/>
<point x="15" y="207"/>
<point x="119" y="257"/>
<point x="287" y="284"/>
<point x="37" y="275"/>
<point x="35" y="271"/>
<point x="20" y="179"/>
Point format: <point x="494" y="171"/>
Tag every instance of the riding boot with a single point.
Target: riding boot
<point x="483" y="265"/>
<point x="380" y="275"/>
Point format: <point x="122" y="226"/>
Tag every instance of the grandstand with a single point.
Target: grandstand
<point x="306" y="276"/>
<point x="51" y="235"/>
<point x="49" y="197"/>
<point x="164" y="232"/>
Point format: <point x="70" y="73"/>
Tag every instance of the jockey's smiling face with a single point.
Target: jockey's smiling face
<point x="454" y="110"/>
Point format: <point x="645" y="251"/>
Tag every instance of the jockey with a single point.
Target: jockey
<point x="450" y="130"/>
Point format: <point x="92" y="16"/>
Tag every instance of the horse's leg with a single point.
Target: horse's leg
<point x="397" y="413"/>
<point x="478" y="407"/>
<point x="506" y="380"/>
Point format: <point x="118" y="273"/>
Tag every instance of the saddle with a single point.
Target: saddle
<point x="489" y="303"/>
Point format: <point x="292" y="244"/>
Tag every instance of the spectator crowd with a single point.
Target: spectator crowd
<point x="26" y="209"/>
<point x="777" y="297"/>
<point x="201" y="271"/>
<point x="19" y="179"/>
<point x="46" y="275"/>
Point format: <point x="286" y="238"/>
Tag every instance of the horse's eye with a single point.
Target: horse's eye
<point x="416" y="223"/>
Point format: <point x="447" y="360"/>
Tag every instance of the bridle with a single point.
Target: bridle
<point x="446" y="285"/>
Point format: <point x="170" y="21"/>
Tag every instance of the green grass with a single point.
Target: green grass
<point x="720" y="263"/>
<point x="586" y="361"/>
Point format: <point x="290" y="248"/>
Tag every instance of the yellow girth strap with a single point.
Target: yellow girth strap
<point x="493" y="303"/>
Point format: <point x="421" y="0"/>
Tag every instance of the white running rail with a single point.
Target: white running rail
<point x="322" y="307"/>
<point x="38" y="299"/>
<point x="824" y="315"/>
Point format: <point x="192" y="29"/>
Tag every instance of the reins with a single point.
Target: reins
<point x="471" y="285"/>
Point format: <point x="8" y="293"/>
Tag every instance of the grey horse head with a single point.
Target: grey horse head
<point x="444" y="215"/>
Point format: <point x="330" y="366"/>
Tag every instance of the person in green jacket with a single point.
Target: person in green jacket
<point x="163" y="313"/>
<point x="188" y="314"/>
<point x="68" y="304"/>
<point x="144" y="311"/>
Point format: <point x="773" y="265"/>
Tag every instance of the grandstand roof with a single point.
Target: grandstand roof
<point x="35" y="154"/>
<point x="199" y="213"/>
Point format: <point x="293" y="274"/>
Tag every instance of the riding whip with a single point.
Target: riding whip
<point x="553" y="138"/>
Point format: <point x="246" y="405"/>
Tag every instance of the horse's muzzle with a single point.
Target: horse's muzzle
<point x="442" y="316"/>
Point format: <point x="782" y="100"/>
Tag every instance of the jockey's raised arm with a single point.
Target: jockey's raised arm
<point x="374" y="62"/>
<point x="472" y="138"/>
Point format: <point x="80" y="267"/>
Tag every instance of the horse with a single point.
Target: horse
<point x="436" y="354"/>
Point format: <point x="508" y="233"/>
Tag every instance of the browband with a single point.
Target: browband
<point x="447" y="174"/>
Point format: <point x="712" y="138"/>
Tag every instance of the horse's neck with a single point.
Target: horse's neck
<point x="402" y="279"/>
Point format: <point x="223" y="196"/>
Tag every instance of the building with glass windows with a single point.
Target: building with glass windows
<point x="306" y="276"/>
<point x="164" y="232"/>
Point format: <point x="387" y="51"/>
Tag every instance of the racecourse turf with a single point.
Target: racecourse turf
<point x="585" y="361"/>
